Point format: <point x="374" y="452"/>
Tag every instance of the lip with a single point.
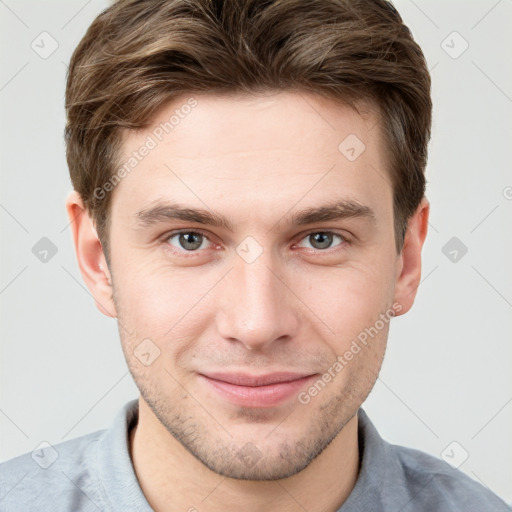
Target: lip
<point x="256" y="390"/>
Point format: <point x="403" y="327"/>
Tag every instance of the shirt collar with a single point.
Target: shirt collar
<point x="121" y="489"/>
<point x="380" y="473"/>
<point x="378" y="481"/>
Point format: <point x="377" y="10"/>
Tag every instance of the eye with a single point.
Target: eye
<point x="320" y="240"/>
<point x="188" y="240"/>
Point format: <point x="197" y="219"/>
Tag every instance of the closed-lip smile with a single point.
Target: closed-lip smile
<point x="267" y="390"/>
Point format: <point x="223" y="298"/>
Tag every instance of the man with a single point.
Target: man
<point x="249" y="204"/>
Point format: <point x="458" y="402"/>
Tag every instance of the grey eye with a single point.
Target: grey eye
<point x="190" y="240"/>
<point x="321" y="239"/>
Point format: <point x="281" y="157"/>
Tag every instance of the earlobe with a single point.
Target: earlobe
<point x="90" y="257"/>
<point x="408" y="266"/>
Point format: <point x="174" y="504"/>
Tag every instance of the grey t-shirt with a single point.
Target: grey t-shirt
<point x="95" y="473"/>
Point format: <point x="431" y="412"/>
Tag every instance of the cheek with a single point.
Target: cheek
<point x="347" y="299"/>
<point x="164" y="305"/>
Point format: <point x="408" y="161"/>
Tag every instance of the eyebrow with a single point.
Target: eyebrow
<point x="160" y="212"/>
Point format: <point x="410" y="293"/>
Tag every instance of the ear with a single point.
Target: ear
<point x="89" y="254"/>
<point x="408" y="273"/>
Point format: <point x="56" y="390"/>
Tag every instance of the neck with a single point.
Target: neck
<point x="173" y="480"/>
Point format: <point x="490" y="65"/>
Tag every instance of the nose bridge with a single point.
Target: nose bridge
<point x="255" y="310"/>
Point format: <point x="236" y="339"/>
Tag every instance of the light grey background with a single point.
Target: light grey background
<point x="446" y="376"/>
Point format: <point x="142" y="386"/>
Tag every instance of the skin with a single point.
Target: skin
<point x="297" y="307"/>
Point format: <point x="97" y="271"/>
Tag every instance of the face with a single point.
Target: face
<point x="237" y="322"/>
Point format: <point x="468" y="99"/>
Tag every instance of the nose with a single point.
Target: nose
<point x="256" y="307"/>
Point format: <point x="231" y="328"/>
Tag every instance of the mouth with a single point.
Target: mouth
<point x="261" y="391"/>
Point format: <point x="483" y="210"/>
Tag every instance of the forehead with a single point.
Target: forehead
<point x="252" y="154"/>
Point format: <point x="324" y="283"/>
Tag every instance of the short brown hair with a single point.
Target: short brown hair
<point x="139" y="54"/>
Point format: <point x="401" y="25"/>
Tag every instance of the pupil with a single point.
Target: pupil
<point x="186" y="241"/>
<point x="321" y="240"/>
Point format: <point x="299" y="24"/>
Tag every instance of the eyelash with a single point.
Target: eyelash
<point x="345" y="241"/>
